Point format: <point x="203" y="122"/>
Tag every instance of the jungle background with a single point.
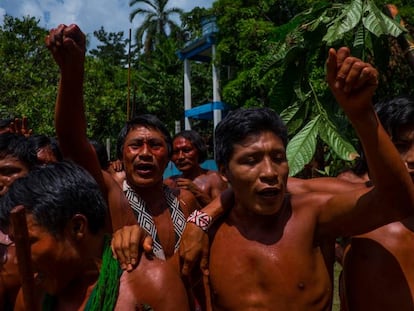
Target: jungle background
<point x="270" y="53"/>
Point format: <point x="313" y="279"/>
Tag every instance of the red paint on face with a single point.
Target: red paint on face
<point x="185" y="155"/>
<point x="145" y="157"/>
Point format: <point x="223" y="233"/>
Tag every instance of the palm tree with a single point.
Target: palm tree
<point x="157" y="20"/>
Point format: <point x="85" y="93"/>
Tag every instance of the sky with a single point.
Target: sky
<point x="90" y="15"/>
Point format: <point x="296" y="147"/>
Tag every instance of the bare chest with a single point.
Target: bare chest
<point x="286" y="273"/>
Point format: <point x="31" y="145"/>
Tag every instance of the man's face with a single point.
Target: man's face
<point x="54" y="260"/>
<point x="185" y="155"/>
<point x="257" y="172"/>
<point x="145" y="156"/>
<point x="11" y="168"/>
<point x="404" y="142"/>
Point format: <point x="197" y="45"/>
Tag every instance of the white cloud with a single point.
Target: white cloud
<point x="90" y="15"/>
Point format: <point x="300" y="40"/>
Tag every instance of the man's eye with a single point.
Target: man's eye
<point x="9" y="171"/>
<point x="279" y="158"/>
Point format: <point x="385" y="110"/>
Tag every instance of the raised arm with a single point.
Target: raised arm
<point x="67" y="45"/>
<point x="353" y="84"/>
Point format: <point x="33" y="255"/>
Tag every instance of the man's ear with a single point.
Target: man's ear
<point x="77" y="226"/>
<point x="223" y="172"/>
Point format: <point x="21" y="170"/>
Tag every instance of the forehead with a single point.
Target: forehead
<point x="263" y="141"/>
<point x="181" y="141"/>
<point x="144" y="132"/>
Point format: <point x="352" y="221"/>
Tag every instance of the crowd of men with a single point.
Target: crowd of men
<point x="244" y="237"/>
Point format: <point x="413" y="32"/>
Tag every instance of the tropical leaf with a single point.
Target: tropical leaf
<point x="349" y="18"/>
<point x="294" y="117"/>
<point x="378" y="23"/>
<point x="301" y="147"/>
<point x="336" y="142"/>
<point x="359" y="37"/>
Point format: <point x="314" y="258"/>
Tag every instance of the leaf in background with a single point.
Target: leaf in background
<point x="349" y="18"/>
<point x="293" y="117"/>
<point x="301" y="147"/>
<point x="378" y="23"/>
<point x="334" y="140"/>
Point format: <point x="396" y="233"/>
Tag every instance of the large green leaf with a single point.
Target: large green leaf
<point x="339" y="145"/>
<point x="349" y="18"/>
<point x="293" y="117"/>
<point x="378" y="23"/>
<point x="301" y="147"/>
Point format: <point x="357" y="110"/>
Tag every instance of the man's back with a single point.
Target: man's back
<point x="379" y="269"/>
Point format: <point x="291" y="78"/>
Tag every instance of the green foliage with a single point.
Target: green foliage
<point x="157" y="21"/>
<point x="301" y="147"/>
<point x="280" y="63"/>
<point x="27" y="77"/>
<point x="112" y="49"/>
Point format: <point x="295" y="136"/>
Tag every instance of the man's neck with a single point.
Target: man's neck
<point x="193" y="173"/>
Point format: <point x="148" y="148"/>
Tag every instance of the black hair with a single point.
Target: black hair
<point x="101" y="153"/>
<point x="17" y="146"/>
<point x="197" y="141"/>
<point x="54" y="144"/>
<point x="239" y="124"/>
<point x="395" y="113"/>
<point x="53" y="194"/>
<point x="5" y="123"/>
<point x="146" y="120"/>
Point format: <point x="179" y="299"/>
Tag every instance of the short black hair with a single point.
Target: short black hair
<point x="53" y="194"/>
<point x="146" y="120"/>
<point x="101" y="153"/>
<point x="241" y="123"/>
<point x="18" y="146"/>
<point x="395" y="113"/>
<point x="197" y="141"/>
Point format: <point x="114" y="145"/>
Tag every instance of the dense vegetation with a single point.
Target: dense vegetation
<point x="271" y="53"/>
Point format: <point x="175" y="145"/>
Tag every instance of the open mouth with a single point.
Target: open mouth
<point x="144" y="168"/>
<point x="269" y="193"/>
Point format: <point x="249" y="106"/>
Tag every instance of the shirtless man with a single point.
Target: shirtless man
<point x="189" y="151"/>
<point x="70" y="255"/>
<point x="15" y="162"/>
<point x="378" y="271"/>
<point x="70" y="124"/>
<point x="276" y="238"/>
<point x="162" y="211"/>
<point x="145" y="144"/>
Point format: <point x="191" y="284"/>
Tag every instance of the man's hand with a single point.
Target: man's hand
<point x="352" y="81"/>
<point x="194" y="247"/>
<point x="126" y="244"/>
<point x="19" y="126"/>
<point x="67" y="45"/>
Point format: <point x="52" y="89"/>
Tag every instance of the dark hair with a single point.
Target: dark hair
<point x="53" y="194"/>
<point x="5" y="123"/>
<point x="54" y="144"/>
<point x="395" y="113"/>
<point x="197" y="141"/>
<point x="146" y="120"/>
<point x="17" y="146"/>
<point x="240" y="123"/>
<point x="39" y="141"/>
<point x="101" y="153"/>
